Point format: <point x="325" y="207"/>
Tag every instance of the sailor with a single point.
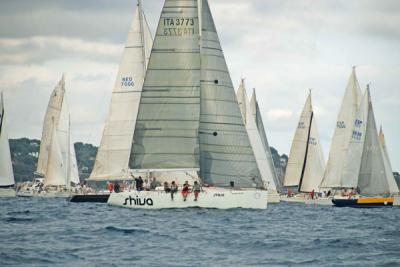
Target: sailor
<point x="139" y="183"/>
<point x="196" y="189"/>
<point x="174" y="189"/>
<point x="312" y="194"/>
<point x="166" y="187"/>
<point x="110" y="186"/>
<point x="185" y="190"/>
<point x="116" y="187"/>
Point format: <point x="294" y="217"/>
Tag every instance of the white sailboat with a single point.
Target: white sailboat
<point x="112" y="158"/>
<point x="57" y="159"/>
<point x="342" y="135"/>
<point x="305" y="167"/>
<point x="263" y="161"/>
<point x="367" y="167"/>
<point x="6" y="171"/>
<point x="189" y="119"/>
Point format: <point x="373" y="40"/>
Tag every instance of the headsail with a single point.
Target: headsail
<point x="6" y="170"/>
<point x="341" y="137"/>
<point x="115" y="148"/>
<point x="297" y="154"/>
<point x="393" y="188"/>
<point x="225" y="150"/>
<point x="255" y="139"/>
<point x="255" y="109"/>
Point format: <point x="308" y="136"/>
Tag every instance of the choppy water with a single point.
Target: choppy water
<point x="53" y="232"/>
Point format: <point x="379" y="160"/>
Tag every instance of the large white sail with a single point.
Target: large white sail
<point x="351" y="168"/>
<point x="255" y="109"/>
<point x="225" y="150"/>
<point x="315" y="163"/>
<point x="115" y="148"/>
<point x="166" y="133"/>
<point x="6" y="170"/>
<point x="56" y="170"/>
<point x="342" y="135"/>
<point x="51" y="118"/>
<point x="294" y="169"/>
<point x="255" y="139"/>
<point x="393" y="188"/>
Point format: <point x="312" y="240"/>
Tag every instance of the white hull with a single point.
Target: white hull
<point x="273" y="197"/>
<point x="7" y="192"/>
<point x="307" y="201"/>
<point x="216" y="198"/>
<point x="43" y="194"/>
<point x="294" y="199"/>
<point x="396" y="201"/>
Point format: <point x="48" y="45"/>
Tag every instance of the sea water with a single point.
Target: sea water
<point x="54" y="232"/>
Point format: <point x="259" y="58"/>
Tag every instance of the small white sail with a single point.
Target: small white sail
<point x="393" y="188"/>
<point x="51" y="118"/>
<point x="351" y="168"/>
<point x="56" y="170"/>
<point x="6" y="171"/>
<point x="255" y="109"/>
<point x="342" y="135"/>
<point x="255" y="139"/>
<point x="315" y="163"/>
<point x="115" y="148"/>
<point x="74" y="172"/>
<point x="299" y="146"/>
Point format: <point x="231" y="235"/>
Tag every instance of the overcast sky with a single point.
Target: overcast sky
<point x="281" y="47"/>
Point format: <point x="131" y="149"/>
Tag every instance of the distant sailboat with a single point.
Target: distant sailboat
<point x="305" y="167"/>
<point x="263" y="161"/>
<point x="189" y="119"/>
<point x="367" y="166"/>
<point x="115" y="148"/>
<point x="342" y="136"/>
<point x="6" y="171"/>
<point x="57" y="159"/>
<point x="255" y="109"/>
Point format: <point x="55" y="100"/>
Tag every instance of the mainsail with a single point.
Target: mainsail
<point x="255" y="139"/>
<point x="115" y="148"/>
<point x="306" y="164"/>
<point x="188" y="116"/>
<point x="365" y="166"/>
<point x="343" y="131"/>
<point x="255" y="109"/>
<point x="56" y="147"/>
<point x="6" y="171"/>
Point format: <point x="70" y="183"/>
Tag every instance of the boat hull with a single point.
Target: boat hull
<point x="364" y="202"/>
<point x="273" y="197"/>
<point x="99" y="198"/>
<point x="396" y="201"/>
<point x="210" y="198"/>
<point x="43" y="194"/>
<point x="7" y="192"/>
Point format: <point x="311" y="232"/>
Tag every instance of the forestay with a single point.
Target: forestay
<point x="6" y="171"/>
<point x="342" y="135"/>
<point x="225" y="150"/>
<point x="115" y="148"/>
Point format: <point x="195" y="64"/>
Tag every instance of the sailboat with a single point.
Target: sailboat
<point x="367" y="167"/>
<point x="57" y="167"/>
<point x="263" y="159"/>
<point x="189" y="120"/>
<point x="6" y="171"/>
<point x="113" y="155"/>
<point x="342" y="135"/>
<point x="305" y="167"/>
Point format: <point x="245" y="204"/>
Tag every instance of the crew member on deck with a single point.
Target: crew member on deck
<point x="185" y="190"/>
<point x="174" y="189"/>
<point x="196" y="189"/>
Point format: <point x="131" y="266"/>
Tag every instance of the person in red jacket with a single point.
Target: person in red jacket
<point x="110" y="187"/>
<point x="185" y="190"/>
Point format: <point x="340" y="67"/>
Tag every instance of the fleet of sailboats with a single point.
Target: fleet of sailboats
<point x="6" y="171"/>
<point x="174" y="116"/>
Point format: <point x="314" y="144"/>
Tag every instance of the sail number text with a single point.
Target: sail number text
<point x="179" y="26"/>
<point x="127" y="81"/>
